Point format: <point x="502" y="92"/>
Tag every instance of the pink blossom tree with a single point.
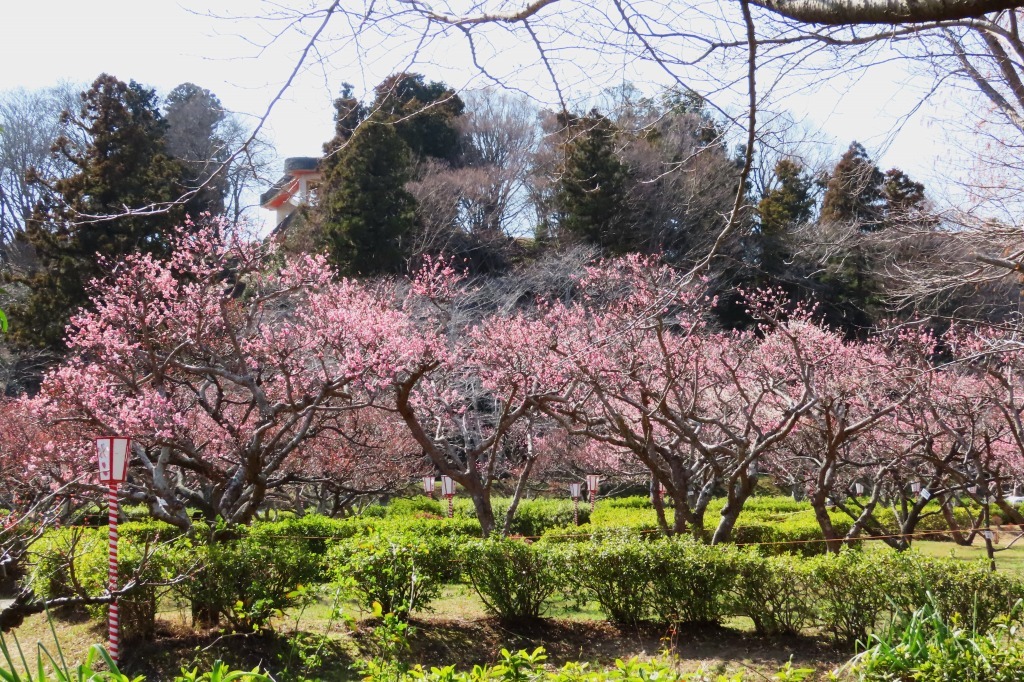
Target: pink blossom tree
<point x="222" y="369"/>
<point x="469" y="407"/>
<point x="842" y="440"/>
<point x="991" y="363"/>
<point x="631" y="365"/>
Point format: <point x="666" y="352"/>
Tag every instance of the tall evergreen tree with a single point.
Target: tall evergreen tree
<point x="853" y="192"/>
<point x="789" y="203"/>
<point x="902" y="195"/>
<point x="592" y="191"/>
<point x="365" y="215"/>
<point x="424" y="114"/>
<point x="867" y="201"/>
<point x="366" y="212"/>
<point x="349" y="112"/>
<point x="125" y="166"/>
<point x="194" y="116"/>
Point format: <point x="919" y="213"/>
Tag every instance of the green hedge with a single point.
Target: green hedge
<point x="247" y="575"/>
<point x="74" y="562"/>
<point x="400" y="572"/>
<point x="514" y="579"/>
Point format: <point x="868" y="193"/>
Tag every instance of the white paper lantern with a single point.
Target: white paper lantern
<point x="592" y="482"/>
<point x="112" y="455"/>
<point x="574" y="490"/>
<point x="447" y="486"/>
<point x="428" y="484"/>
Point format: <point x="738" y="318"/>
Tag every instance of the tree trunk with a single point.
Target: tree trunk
<point x="484" y="511"/>
<point x="659" y="508"/>
<point x="833" y="543"/>
<point x="520" y="487"/>
<point x="954" y="529"/>
<point x="741" y="488"/>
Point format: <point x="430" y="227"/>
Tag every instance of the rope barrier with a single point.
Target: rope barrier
<point x="648" y="531"/>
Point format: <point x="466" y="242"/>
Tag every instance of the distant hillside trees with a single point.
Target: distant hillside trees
<point x="206" y="138"/>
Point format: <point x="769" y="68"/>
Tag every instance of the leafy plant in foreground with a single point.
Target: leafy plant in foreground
<point x="925" y="647"/>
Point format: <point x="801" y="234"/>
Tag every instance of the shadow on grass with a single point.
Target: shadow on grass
<point x="477" y="641"/>
<point x="307" y="656"/>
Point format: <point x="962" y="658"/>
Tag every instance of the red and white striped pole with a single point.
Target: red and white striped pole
<point x="113" y="620"/>
<point x="112" y="455"/>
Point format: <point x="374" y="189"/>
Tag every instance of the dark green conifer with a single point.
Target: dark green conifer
<point x="789" y="203"/>
<point x="592" y="191"/>
<point x="119" y="200"/>
<point x="194" y="116"/>
<point x="853" y="192"/>
<point x="367" y="214"/>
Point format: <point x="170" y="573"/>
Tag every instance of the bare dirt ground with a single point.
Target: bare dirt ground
<point x="314" y="652"/>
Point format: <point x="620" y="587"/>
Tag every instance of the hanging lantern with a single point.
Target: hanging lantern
<point x="112" y="455"/>
<point x="592" y="482"/>
<point x="574" y="490"/>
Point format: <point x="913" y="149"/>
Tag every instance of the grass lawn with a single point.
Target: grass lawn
<point x="1008" y="558"/>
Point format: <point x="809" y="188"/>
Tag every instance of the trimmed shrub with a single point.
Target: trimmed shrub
<point x="852" y="591"/>
<point x="772" y="592"/>
<point x="790" y="533"/>
<point x="400" y="572"/>
<point x="247" y="575"/>
<point x="313" y="535"/>
<point x="968" y="591"/>
<point x="54" y="572"/>
<point x="536" y="516"/>
<point x="615" y="572"/>
<point x="690" y="582"/>
<point x="625" y="517"/>
<point x="74" y="562"/>
<point x="632" y="502"/>
<point x="415" y="506"/>
<point x="514" y="579"/>
<point x="374" y="511"/>
<point x="452" y="529"/>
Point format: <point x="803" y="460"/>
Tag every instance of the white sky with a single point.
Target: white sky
<point x="163" y="44"/>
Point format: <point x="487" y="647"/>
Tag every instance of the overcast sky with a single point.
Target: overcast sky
<point x="163" y="44"/>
